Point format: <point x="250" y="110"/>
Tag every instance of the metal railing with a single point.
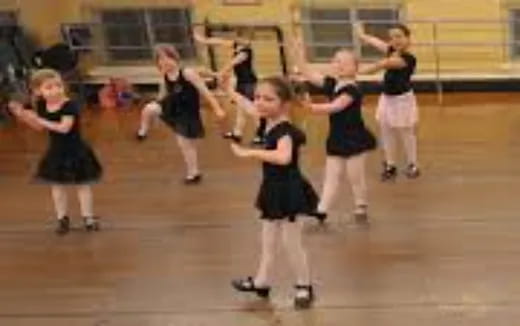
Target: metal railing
<point x="445" y="48"/>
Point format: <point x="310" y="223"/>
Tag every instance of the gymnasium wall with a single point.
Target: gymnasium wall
<point x="483" y="52"/>
<point x="478" y="24"/>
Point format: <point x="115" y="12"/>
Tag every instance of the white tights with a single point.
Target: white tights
<point x="294" y="249"/>
<point x="334" y="170"/>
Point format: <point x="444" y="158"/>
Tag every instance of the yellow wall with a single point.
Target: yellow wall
<point x="43" y="18"/>
<point x="473" y="30"/>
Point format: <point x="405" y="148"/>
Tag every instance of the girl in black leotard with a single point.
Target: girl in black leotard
<point x="242" y="66"/>
<point x="178" y="105"/>
<point x="349" y="140"/>
<point x="69" y="160"/>
<point x="285" y="194"/>
<point x="397" y="112"/>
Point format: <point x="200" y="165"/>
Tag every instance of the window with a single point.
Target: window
<point x="126" y="37"/>
<point x="78" y="36"/>
<point x="131" y="33"/>
<point x="173" y="26"/>
<point x="8" y="18"/>
<point x="330" y="29"/>
<point x="378" y="23"/>
<point x="514" y="20"/>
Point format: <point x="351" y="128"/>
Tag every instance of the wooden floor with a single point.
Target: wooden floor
<point x="442" y="250"/>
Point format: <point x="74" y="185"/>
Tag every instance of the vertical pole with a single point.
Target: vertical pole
<point x="507" y="25"/>
<point x="208" y="32"/>
<point x="438" y="82"/>
<point x="149" y="31"/>
<point x="281" y="49"/>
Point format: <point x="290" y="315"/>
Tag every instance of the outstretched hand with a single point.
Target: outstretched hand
<point x="359" y="28"/>
<point x="19" y="111"/>
<point x="226" y="81"/>
<point x="16" y="108"/>
<point x="197" y="35"/>
<point x="306" y="101"/>
<point x="239" y="150"/>
<point x="31" y="116"/>
<point x="220" y="114"/>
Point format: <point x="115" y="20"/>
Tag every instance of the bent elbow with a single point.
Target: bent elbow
<point x="284" y="160"/>
<point x="64" y="130"/>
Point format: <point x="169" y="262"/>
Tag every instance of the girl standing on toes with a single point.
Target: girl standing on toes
<point x="285" y="194"/>
<point x="69" y="160"/>
<point x="349" y="140"/>
<point x="242" y="66"/>
<point x="179" y="107"/>
<point x="397" y="109"/>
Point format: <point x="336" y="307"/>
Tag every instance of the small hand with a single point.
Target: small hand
<point x="226" y="81"/>
<point x="15" y="107"/>
<point x="298" y="42"/>
<point x="359" y="28"/>
<point x="298" y="77"/>
<point x="239" y="150"/>
<point x="197" y="35"/>
<point x="212" y="73"/>
<point x="224" y="77"/>
<point x="220" y="114"/>
<point x="306" y="101"/>
<point x="32" y="116"/>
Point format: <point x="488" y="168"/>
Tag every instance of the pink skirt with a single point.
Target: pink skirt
<point x="398" y="110"/>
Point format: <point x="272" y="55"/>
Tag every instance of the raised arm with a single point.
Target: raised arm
<point x="373" y="41"/>
<point x="312" y="75"/>
<point x="202" y="39"/>
<point x="199" y="83"/>
<point x="242" y="102"/>
<point x="395" y="61"/>
<point x="236" y="60"/>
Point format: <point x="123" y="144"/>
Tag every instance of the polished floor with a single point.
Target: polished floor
<point x="441" y="250"/>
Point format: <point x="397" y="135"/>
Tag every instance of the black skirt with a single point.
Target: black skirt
<point x="187" y="124"/>
<point x="69" y="164"/>
<point x="286" y="199"/>
<point x="354" y="142"/>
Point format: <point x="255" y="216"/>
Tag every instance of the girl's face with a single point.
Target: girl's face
<point x="344" y="64"/>
<point x="398" y="39"/>
<point x="165" y="63"/>
<point x="267" y="102"/>
<point x="51" y="89"/>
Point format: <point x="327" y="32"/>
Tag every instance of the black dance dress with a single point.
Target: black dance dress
<point x="181" y="107"/>
<point x="398" y="81"/>
<point x="244" y="72"/>
<point x="285" y="193"/>
<point x="348" y="135"/>
<point x="69" y="160"/>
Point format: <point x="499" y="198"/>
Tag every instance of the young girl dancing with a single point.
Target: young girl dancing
<point x="397" y="109"/>
<point x="242" y="66"/>
<point x="285" y="194"/>
<point x="178" y="105"/>
<point x="69" y="160"/>
<point x="349" y="140"/>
